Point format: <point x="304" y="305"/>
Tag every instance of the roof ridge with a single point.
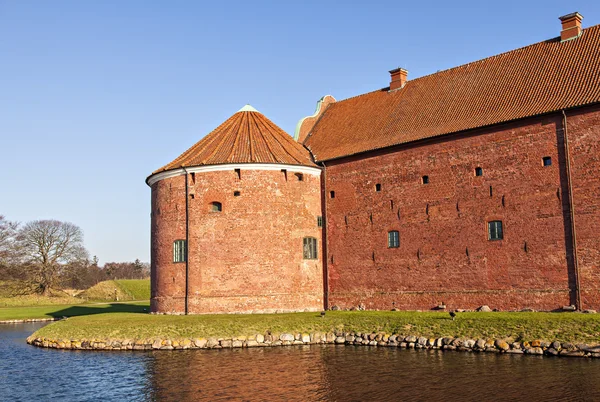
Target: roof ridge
<point x="554" y="39"/>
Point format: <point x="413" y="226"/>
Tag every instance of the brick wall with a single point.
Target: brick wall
<point x="445" y="255"/>
<point x="583" y="131"/>
<point x="246" y="258"/>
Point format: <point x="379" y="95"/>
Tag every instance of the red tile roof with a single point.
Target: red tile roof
<point x="246" y="137"/>
<point x="540" y="78"/>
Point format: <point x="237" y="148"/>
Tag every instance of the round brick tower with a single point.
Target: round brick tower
<point x="236" y="223"/>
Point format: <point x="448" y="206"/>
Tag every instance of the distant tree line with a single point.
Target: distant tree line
<point x="44" y="255"/>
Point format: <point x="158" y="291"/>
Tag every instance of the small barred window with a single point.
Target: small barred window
<point x="309" y="248"/>
<point x="179" y="251"/>
<point x="320" y="221"/>
<point x="393" y="239"/>
<point x="495" y="230"/>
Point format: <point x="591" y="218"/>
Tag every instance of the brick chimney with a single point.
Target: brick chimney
<point x="398" y="78"/>
<point x="571" y="26"/>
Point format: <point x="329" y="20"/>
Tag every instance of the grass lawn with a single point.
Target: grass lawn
<point x="122" y="290"/>
<point x="138" y="289"/>
<point x="571" y="327"/>
<point x="70" y="310"/>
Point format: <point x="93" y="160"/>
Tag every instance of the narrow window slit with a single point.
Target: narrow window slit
<point x="391" y="204"/>
<point x="525" y="248"/>
<point x="332" y="194"/>
<point x="238" y="172"/>
<point x="425" y="179"/>
<point x="284" y="171"/>
<point x="378" y="187"/>
<point x="491" y="191"/>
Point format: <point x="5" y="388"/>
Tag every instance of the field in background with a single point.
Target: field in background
<point x="17" y="303"/>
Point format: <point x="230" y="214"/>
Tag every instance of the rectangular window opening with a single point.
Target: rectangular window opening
<point x="236" y="193"/>
<point x="320" y="221"/>
<point x="478" y="171"/>
<point x="425" y="179"/>
<point x="309" y="248"/>
<point x="299" y="176"/>
<point x="495" y="230"/>
<point x="238" y="172"/>
<point x="284" y="171"/>
<point x="393" y="239"/>
<point x="179" y="251"/>
<point x="378" y="187"/>
<point x="547" y="161"/>
<point x="332" y="194"/>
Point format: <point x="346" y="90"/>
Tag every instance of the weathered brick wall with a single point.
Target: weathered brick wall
<point x="583" y="131"/>
<point x="246" y="258"/>
<point x="445" y="255"/>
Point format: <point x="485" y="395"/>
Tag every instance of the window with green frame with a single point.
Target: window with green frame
<point x="179" y="251"/>
<point x="393" y="239"/>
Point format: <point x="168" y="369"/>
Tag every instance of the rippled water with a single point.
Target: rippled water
<point x="300" y="373"/>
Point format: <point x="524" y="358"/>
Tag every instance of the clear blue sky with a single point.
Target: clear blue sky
<point x="95" y="95"/>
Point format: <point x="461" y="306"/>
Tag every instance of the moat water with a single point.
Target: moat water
<point x="296" y="373"/>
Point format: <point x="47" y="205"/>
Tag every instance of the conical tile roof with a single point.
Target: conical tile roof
<point x="246" y="137"/>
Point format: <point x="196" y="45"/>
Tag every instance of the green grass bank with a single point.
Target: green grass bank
<point x="70" y="310"/>
<point x="564" y="327"/>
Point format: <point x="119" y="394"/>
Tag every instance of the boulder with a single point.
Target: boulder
<point x="502" y="345"/>
<point x="286" y="337"/>
<point x="484" y="309"/>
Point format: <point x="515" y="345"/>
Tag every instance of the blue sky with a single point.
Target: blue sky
<point x="95" y="95"/>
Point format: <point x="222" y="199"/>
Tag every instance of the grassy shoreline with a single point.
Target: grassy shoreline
<point x="564" y="327"/>
<point x="70" y="310"/>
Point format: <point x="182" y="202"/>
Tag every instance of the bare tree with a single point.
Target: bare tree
<point x="47" y="247"/>
<point x="8" y="254"/>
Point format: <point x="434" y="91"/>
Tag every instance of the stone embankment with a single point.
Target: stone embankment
<point x="536" y="347"/>
<point x="29" y="320"/>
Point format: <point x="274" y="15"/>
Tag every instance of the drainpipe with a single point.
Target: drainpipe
<point x="571" y="213"/>
<point x="324" y="237"/>
<point x="187" y="240"/>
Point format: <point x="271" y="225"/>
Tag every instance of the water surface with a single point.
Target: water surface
<point x="298" y="373"/>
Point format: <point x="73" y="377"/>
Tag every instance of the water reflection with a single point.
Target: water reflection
<point x="300" y="373"/>
<point x="338" y="373"/>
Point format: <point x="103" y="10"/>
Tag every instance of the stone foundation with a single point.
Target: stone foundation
<point x="536" y="347"/>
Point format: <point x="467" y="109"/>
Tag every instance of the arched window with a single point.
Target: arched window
<point x="216" y="206"/>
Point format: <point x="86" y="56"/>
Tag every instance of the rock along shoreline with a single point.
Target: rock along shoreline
<point x="375" y="339"/>
<point x="29" y="320"/>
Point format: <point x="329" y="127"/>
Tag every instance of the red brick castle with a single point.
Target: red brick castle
<point x="475" y="185"/>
